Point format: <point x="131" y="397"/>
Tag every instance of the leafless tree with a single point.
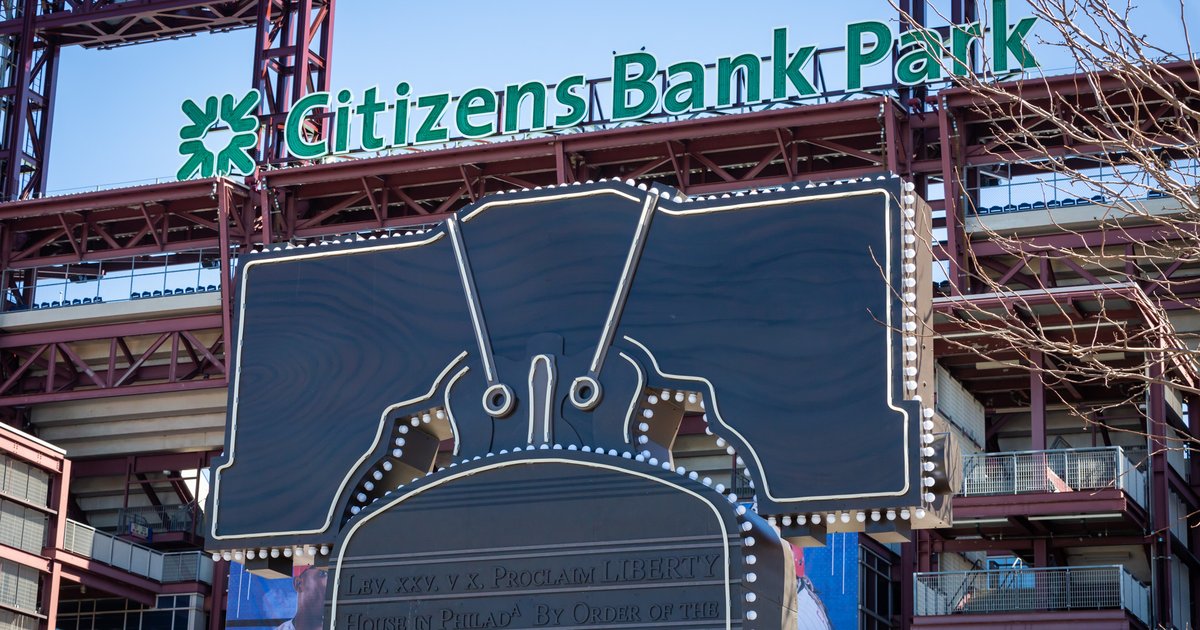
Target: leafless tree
<point x="1126" y="138"/>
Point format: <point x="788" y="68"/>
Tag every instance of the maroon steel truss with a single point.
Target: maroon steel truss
<point x="291" y="59"/>
<point x="49" y="365"/>
<point x="292" y="51"/>
<point x="62" y="373"/>
<point x="99" y="23"/>
<point x="27" y="88"/>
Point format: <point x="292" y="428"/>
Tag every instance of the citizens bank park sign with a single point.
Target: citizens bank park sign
<point x="387" y="118"/>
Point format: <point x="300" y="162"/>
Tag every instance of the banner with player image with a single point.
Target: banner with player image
<point x="296" y="603"/>
<point x="827" y="595"/>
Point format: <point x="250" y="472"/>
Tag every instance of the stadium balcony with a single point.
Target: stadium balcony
<point x="1054" y="215"/>
<point x="1063" y="471"/>
<point x="1092" y="597"/>
<point x="1055" y="471"/>
<point x="1093" y="502"/>
<point x="163" y="568"/>
<point x="55" y="314"/>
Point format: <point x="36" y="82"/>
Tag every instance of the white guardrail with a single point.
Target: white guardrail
<point x="1066" y="470"/>
<point x="164" y="567"/>
<point x="1025" y="589"/>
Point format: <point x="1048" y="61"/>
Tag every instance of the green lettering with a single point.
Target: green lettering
<point x="400" y="129"/>
<point x="788" y="71"/>
<point x="858" y="56"/>
<point x="624" y="85"/>
<point x="429" y="131"/>
<point x="368" y="110"/>
<point x="467" y="108"/>
<point x="514" y="95"/>
<point x="1006" y="39"/>
<point x="688" y="95"/>
<point x="576" y="105"/>
<point x="923" y="60"/>
<point x="341" y="122"/>
<point x="960" y="44"/>
<point x="726" y="67"/>
<point x="296" y="123"/>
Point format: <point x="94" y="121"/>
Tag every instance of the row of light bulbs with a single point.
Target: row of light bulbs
<point x="908" y="210"/>
<point x="298" y="551"/>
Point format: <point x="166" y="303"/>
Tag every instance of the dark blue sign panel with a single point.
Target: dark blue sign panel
<point x="568" y="316"/>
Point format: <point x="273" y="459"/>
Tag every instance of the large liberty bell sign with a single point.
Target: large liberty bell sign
<point x="473" y="426"/>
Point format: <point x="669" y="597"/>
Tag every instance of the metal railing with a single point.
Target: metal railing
<point x="1066" y="470"/>
<point x="184" y="566"/>
<point x="113" y="280"/>
<point x="157" y="518"/>
<point x="739" y="483"/>
<point x="1024" y="589"/>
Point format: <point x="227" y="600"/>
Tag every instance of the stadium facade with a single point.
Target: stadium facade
<point x="115" y="367"/>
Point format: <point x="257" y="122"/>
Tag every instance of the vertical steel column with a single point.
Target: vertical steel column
<point x="912" y="15"/>
<point x="60" y="498"/>
<point x="887" y="110"/>
<point x="1041" y="554"/>
<point x="562" y="166"/>
<point x="1192" y="541"/>
<point x="1160" y="495"/>
<point x="955" y="234"/>
<point x="293" y="45"/>
<point x="27" y="84"/>
<point x="1037" y="401"/>
<point x="218" y="597"/>
<point x="223" y="209"/>
<point x="908" y="566"/>
<point x="964" y="11"/>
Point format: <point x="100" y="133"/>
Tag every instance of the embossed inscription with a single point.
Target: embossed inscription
<point x="544" y="544"/>
<point x="380" y="580"/>
<point x="534" y="590"/>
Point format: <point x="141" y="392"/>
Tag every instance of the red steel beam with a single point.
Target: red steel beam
<point x="141" y="463"/>
<point x="34" y="451"/>
<point x="1049" y="504"/>
<point x="116" y="198"/>
<point x="1065" y="85"/>
<point x="105" y="331"/>
<point x="93" y="23"/>
<point x="108" y="392"/>
<point x="106" y="578"/>
<point x="649" y="134"/>
<point x="165" y="218"/>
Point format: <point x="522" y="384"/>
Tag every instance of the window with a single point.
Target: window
<point x="172" y="612"/>
<point x="878" y="600"/>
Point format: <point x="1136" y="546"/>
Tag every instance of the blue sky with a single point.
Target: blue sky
<point x="118" y="112"/>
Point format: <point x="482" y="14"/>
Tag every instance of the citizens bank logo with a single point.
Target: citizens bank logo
<point x="237" y="122"/>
